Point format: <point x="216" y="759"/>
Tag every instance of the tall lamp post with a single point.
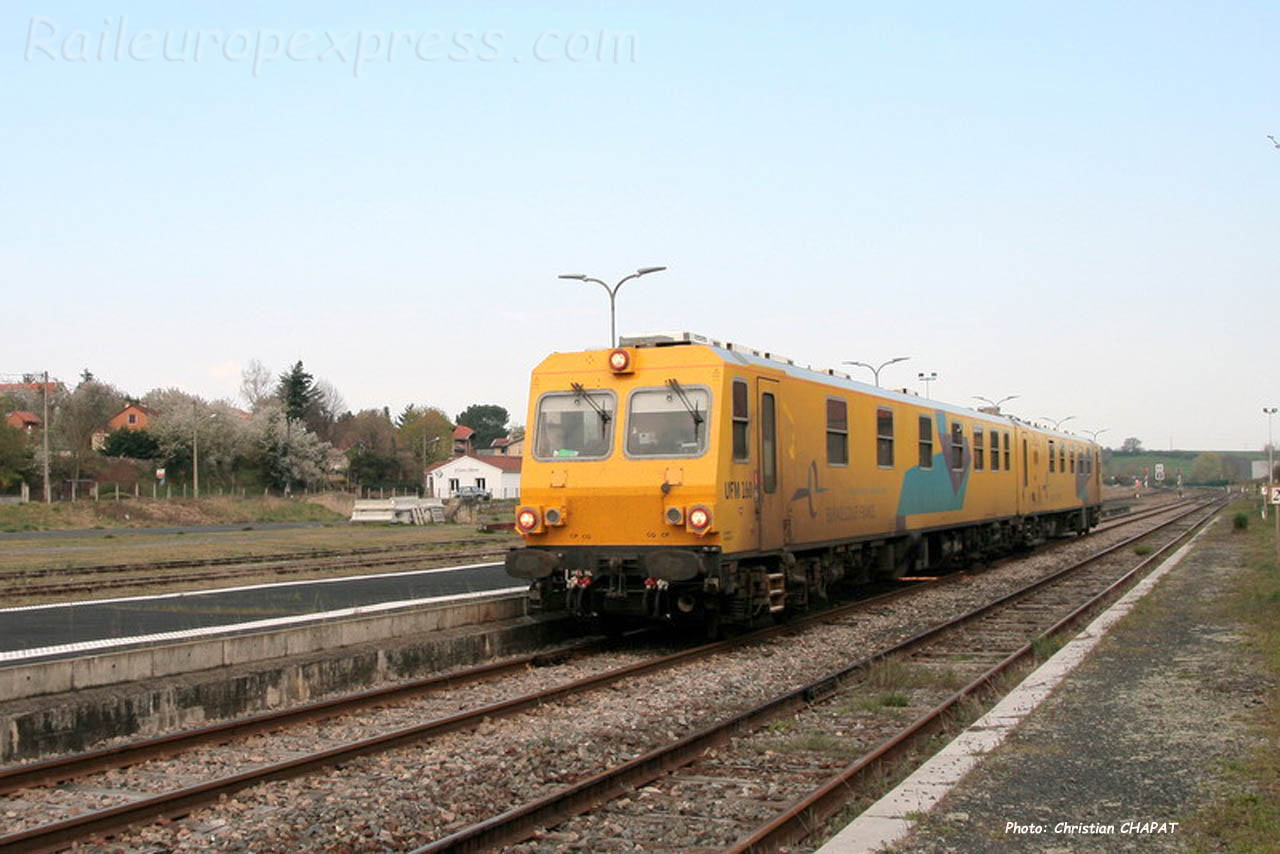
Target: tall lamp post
<point x="995" y="404"/>
<point x="613" y="294"/>
<point x="195" y="449"/>
<point x="1094" y="434"/>
<point x="927" y="378"/>
<point x="876" y="369"/>
<point x="1270" y="411"/>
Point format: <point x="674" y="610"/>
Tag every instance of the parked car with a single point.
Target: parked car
<point x="476" y="492"/>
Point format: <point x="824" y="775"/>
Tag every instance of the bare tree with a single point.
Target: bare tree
<point x="256" y="383"/>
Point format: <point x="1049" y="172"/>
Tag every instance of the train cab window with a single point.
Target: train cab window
<point x="768" y="444"/>
<point x="574" y="425"/>
<point x="884" y="438"/>
<point x="926" y="442"/>
<point x="741" y="422"/>
<point x="1051" y="457"/>
<point x="668" y="422"/>
<point x="957" y="445"/>
<point x="1007" y="465"/>
<point x="837" y="431"/>
<point x="979" y="447"/>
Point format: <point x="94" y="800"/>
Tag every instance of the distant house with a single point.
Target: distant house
<point x="504" y="446"/>
<point x="463" y="438"/>
<point x="51" y="387"/>
<point x="132" y="417"/>
<point x="27" y="422"/>
<point x="499" y="475"/>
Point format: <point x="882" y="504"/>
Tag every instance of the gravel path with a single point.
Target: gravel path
<point x="1137" y="735"/>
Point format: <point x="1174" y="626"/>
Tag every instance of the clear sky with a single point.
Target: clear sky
<point x="1074" y="203"/>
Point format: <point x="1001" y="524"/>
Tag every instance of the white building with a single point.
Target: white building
<point x="498" y="474"/>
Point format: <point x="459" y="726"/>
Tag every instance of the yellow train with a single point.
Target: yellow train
<point x="680" y="479"/>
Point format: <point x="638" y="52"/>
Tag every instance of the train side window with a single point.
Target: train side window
<point x="979" y="448"/>
<point x="1073" y="461"/>
<point x="926" y="442"/>
<point x="741" y="422"/>
<point x="1051" y="457"/>
<point x="957" y="445"/>
<point x="995" y="450"/>
<point x="1007" y="465"/>
<point x="768" y="444"/>
<point x="884" y="438"/>
<point x="837" y="431"/>
<point x="1024" y="462"/>
<point x="1062" y="459"/>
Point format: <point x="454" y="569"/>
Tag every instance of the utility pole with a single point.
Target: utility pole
<point x="44" y="442"/>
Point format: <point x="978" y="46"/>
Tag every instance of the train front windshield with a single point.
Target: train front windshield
<point x="574" y="425"/>
<point x="668" y="422"/>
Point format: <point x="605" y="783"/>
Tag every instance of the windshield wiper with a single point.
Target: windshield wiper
<point x="675" y="386"/>
<point x="600" y="410"/>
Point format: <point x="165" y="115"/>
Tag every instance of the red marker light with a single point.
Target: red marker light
<point x="526" y="519"/>
<point x="619" y="361"/>
<point x="699" y="519"/>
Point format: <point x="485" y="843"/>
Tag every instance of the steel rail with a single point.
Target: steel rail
<point x="520" y="822"/>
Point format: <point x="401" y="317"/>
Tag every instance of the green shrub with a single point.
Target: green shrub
<point x="1240" y="521"/>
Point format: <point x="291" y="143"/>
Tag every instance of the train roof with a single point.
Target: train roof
<point x="742" y="354"/>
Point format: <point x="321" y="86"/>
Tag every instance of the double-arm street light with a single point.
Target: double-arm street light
<point x="927" y="378"/>
<point x="1094" y="434"/>
<point x="876" y="369"/>
<point x="1056" y="423"/>
<point x="995" y="404"/>
<point x="613" y="294"/>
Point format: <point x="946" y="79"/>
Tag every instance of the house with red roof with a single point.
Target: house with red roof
<point x="27" y="422"/>
<point x="463" y="438"/>
<point x="499" y="475"/>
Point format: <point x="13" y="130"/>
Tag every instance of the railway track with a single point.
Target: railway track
<point x="772" y="803"/>
<point x="185" y="799"/>
<point x="16" y="585"/>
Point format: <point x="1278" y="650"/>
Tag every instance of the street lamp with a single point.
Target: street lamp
<point x="1059" y="422"/>
<point x="995" y="404"/>
<point x="926" y="379"/>
<point x="613" y="293"/>
<point x="1094" y="434"/>
<point x="875" y="370"/>
<point x="1269" y="411"/>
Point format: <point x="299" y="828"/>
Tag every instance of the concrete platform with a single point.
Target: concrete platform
<point x="71" y="704"/>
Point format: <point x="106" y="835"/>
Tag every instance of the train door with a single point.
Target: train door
<point x="770" y="507"/>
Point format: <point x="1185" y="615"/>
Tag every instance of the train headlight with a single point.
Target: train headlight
<point x="528" y="520"/>
<point x="699" y="519"/>
<point x="620" y="361"/>
<point x="553" y="516"/>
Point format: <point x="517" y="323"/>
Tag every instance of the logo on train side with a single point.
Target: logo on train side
<point x="811" y="490"/>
